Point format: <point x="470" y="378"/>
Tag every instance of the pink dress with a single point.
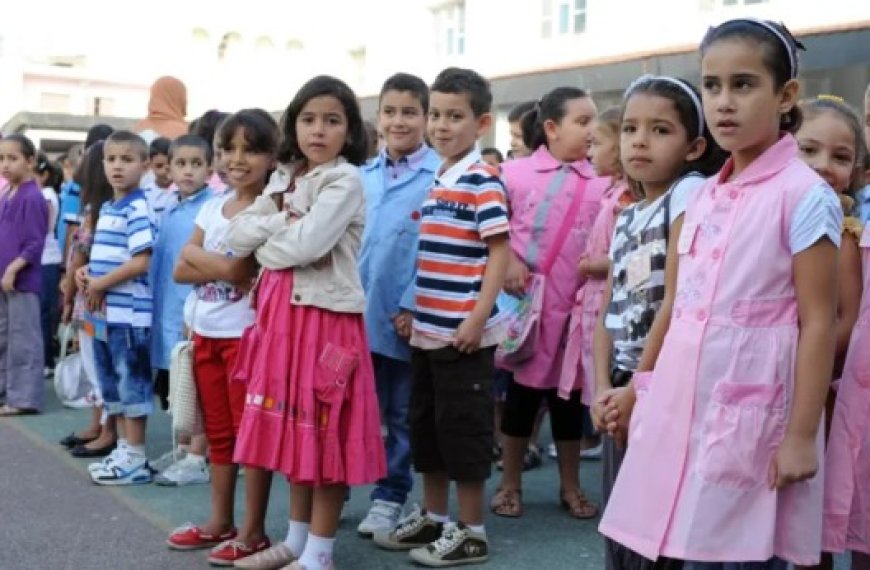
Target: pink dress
<point x="694" y="483"/>
<point x="847" y="463"/>
<point x="578" y="367"/>
<point x="311" y="411"/>
<point x="537" y="210"/>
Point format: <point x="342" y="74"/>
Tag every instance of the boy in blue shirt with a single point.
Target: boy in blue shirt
<point x="119" y="301"/>
<point x="396" y="183"/>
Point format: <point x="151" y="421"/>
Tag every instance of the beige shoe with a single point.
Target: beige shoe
<point x="270" y="559"/>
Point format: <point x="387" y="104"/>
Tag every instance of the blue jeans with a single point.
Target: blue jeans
<point x="124" y="371"/>
<point x="393" y="379"/>
<point x="49" y="309"/>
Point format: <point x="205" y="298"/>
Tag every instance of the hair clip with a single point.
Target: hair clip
<point x="834" y="98"/>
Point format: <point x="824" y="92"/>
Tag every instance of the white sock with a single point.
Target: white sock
<point x="297" y="536"/>
<point x="477" y="528"/>
<point x="443" y="519"/>
<point x="195" y="457"/>
<point x="122" y="444"/>
<point x="318" y="553"/>
<point x="135" y="449"/>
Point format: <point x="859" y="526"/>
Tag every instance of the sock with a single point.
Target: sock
<point x="443" y="519"/>
<point x="477" y="529"/>
<point x="297" y="536"/>
<point x="122" y="444"/>
<point x="135" y="449"/>
<point x="318" y="553"/>
<point x="195" y="457"/>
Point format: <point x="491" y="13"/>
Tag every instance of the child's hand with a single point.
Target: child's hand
<point x="599" y="409"/>
<point x="584" y="267"/>
<point x="618" y="412"/>
<point x="402" y="323"/>
<point x="66" y="315"/>
<point x="468" y="335"/>
<point x="81" y="278"/>
<point x="8" y="281"/>
<point x="795" y="460"/>
<point x="96" y="300"/>
<point x="517" y="276"/>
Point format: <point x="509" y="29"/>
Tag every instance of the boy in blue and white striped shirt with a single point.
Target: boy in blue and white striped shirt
<point x="119" y="297"/>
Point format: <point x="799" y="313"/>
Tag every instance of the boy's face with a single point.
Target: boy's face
<point x="124" y="165"/>
<point x="160" y="168"/>
<point x="491" y="159"/>
<point x="402" y="122"/>
<point x="453" y="128"/>
<point x="190" y="169"/>
<point x="518" y="147"/>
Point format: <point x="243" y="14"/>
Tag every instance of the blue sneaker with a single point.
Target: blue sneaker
<point x="128" y="469"/>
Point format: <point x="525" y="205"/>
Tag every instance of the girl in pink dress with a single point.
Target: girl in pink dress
<point x="831" y="142"/>
<point x="311" y="412"/>
<point x="725" y="442"/>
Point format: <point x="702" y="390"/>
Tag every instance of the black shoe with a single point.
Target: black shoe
<point x="72" y="440"/>
<point x="82" y="452"/>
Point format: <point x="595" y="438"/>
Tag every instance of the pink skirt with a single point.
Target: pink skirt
<point x="311" y="411"/>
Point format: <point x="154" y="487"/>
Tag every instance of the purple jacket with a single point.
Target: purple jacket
<point x="23" y="226"/>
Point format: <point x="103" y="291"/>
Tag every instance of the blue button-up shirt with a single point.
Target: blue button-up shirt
<point x="388" y="256"/>
<point x="169" y="296"/>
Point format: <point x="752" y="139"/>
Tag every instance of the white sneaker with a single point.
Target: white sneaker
<point x="552" y="452"/>
<point x="172" y="456"/>
<point x="127" y="469"/>
<point x="188" y="471"/>
<point x="383" y="517"/>
<point x="116" y="454"/>
<point x="592" y="452"/>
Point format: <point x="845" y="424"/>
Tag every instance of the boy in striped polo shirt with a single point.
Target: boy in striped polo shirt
<point x="119" y="299"/>
<point x="461" y="263"/>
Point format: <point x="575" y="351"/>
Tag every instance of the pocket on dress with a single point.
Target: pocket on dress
<point x="743" y="425"/>
<point x="335" y="368"/>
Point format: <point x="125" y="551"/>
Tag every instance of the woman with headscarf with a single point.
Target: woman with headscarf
<point x="167" y="108"/>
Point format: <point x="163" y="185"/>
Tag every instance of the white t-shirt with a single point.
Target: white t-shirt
<point x="51" y="254"/>
<point x="818" y="215"/>
<point x="217" y="309"/>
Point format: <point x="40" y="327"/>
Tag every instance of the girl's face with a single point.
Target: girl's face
<point x="604" y="150"/>
<point x="828" y="145"/>
<point x="568" y="140"/>
<point x="321" y="129"/>
<point x="246" y="168"/>
<point x="742" y="105"/>
<point x="654" y="145"/>
<point x="14" y="166"/>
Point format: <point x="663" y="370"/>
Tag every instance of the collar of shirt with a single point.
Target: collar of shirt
<point x="200" y="195"/>
<point x="546" y="162"/>
<point x="771" y="161"/>
<point x="449" y="177"/>
<point x="129" y="197"/>
<point x="413" y="160"/>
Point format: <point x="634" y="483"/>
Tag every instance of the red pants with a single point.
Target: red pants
<point x="222" y="400"/>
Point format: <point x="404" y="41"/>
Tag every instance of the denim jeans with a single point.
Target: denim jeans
<point x="49" y="310"/>
<point x="124" y="371"/>
<point x="393" y="379"/>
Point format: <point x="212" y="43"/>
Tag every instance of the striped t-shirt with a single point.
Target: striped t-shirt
<point x="466" y="205"/>
<point x="124" y="229"/>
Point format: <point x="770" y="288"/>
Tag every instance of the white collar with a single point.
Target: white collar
<point x="451" y="175"/>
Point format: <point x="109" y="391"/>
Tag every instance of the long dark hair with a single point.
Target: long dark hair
<point x="551" y="107"/>
<point x="96" y="189"/>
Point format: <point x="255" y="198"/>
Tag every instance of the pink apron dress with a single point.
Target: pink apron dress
<point x="847" y="463"/>
<point x="311" y="411"/>
<point x="578" y="366"/>
<point x="534" y="223"/>
<point x="708" y="420"/>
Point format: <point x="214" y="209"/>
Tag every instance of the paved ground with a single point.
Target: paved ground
<point x="52" y="516"/>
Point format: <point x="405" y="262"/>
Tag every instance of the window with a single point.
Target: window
<point x="104" y="107"/>
<point x="450" y="24"/>
<point x="54" y="103"/>
<point x="229" y="46"/>
<point x="562" y="17"/>
<point x="295" y="46"/>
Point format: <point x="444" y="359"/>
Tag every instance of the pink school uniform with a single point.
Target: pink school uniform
<point x="538" y="207"/>
<point x="847" y="462"/>
<point x="578" y="370"/>
<point x="694" y="484"/>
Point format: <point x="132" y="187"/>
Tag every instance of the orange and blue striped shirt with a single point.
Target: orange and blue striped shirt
<point x="466" y="205"/>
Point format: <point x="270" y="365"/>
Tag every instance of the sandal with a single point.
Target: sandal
<point x="576" y="503"/>
<point x="507" y="503"/>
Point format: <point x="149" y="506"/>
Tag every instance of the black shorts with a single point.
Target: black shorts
<point x="522" y="405"/>
<point x="451" y="412"/>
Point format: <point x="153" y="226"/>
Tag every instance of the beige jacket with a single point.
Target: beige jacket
<point x="321" y="245"/>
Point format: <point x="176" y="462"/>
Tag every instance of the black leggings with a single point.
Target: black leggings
<point x="523" y="403"/>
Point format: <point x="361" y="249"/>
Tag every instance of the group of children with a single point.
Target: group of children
<point x="684" y="270"/>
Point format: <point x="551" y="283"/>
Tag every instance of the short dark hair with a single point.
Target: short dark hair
<point x="551" y="107"/>
<point x="355" y="149"/>
<point x="97" y="133"/>
<point x="458" y="81"/>
<point x="407" y="83"/>
<point x="131" y="138"/>
<point x="207" y="125"/>
<point x="192" y="141"/>
<point x="159" y="146"/>
<point x="492" y="150"/>
<point x="44" y="165"/>
<point x="28" y="149"/>
<point x="261" y="130"/>
<point x="516" y="114"/>
<point x="778" y="57"/>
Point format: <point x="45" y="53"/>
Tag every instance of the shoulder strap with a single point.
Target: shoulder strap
<point x="567" y="222"/>
<point x="667" y="208"/>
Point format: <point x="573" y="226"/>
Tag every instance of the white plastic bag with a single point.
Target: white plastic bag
<point x="71" y="384"/>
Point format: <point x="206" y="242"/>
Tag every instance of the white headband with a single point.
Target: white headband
<point x="792" y="57"/>
<point x="696" y="101"/>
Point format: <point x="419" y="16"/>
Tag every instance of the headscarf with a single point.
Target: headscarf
<point x="167" y="108"/>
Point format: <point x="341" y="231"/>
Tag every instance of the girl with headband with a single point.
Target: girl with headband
<point x="724" y="442"/>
